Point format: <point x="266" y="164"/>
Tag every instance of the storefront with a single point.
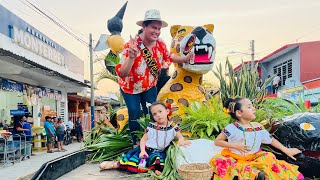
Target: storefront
<point x="35" y="71"/>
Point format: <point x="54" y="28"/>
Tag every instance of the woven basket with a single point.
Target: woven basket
<point x="195" y="171"/>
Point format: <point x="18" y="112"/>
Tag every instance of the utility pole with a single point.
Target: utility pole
<point x="252" y="54"/>
<point x="91" y="80"/>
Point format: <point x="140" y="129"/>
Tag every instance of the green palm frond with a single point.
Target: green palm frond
<point x="107" y="143"/>
<point x="242" y="83"/>
<point x="105" y="74"/>
<point x="277" y="108"/>
<point x="111" y="60"/>
<point x="205" y="121"/>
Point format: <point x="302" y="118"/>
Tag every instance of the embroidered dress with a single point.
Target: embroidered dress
<point x="158" y="141"/>
<point x="140" y="79"/>
<point x="231" y="163"/>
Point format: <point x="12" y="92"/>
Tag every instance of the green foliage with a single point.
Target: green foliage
<point x="170" y="171"/>
<point x="111" y="60"/>
<point x="112" y="112"/>
<point x="105" y="74"/>
<point x="143" y="122"/>
<point x="205" y="121"/>
<point x="170" y="168"/>
<point x="276" y="108"/>
<point x="242" y="83"/>
<point x="108" y="144"/>
<point x="315" y="109"/>
<point x="272" y="110"/>
<point x="301" y="105"/>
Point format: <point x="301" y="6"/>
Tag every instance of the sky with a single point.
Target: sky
<point x="272" y="24"/>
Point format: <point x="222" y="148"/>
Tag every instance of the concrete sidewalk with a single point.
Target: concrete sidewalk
<point x="25" y="168"/>
<point x="92" y="172"/>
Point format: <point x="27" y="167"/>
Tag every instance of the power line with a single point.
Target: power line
<point x="308" y="33"/>
<point x="27" y="14"/>
<point x="36" y="9"/>
<point x="233" y="43"/>
<point x="70" y="28"/>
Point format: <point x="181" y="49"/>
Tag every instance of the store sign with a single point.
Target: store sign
<point x="17" y="112"/>
<point x="11" y="86"/>
<point x="37" y="43"/>
<point x="30" y="38"/>
<point x="40" y="92"/>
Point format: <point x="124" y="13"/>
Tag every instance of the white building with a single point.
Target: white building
<point x="34" y="71"/>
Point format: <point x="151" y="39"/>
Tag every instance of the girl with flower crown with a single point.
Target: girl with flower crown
<point x="156" y="139"/>
<point x="242" y="157"/>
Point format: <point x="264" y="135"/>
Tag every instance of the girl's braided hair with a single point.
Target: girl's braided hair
<point x="231" y="105"/>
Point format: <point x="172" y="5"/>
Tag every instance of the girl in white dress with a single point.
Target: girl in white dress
<point x="242" y="157"/>
<point x="156" y="139"/>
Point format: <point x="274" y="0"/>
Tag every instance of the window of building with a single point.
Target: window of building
<point x="284" y="71"/>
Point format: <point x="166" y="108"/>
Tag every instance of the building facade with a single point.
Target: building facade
<point x="35" y="71"/>
<point x="297" y="66"/>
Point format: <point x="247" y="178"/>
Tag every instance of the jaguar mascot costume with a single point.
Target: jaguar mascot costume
<point x="184" y="87"/>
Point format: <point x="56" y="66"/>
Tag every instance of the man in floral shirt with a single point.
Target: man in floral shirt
<point x="140" y="65"/>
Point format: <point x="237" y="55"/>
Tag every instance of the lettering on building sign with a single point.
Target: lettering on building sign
<point x="37" y="43"/>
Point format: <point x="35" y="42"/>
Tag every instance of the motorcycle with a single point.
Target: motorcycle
<point x="67" y="136"/>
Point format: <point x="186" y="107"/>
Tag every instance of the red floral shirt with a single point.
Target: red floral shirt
<point x="140" y="79"/>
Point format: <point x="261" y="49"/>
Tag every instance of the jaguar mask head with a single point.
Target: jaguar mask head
<point x="197" y="39"/>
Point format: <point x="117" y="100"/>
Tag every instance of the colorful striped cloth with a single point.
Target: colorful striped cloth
<point x="130" y="161"/>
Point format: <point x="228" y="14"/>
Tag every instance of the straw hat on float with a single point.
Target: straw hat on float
<point x="152" y="15"/>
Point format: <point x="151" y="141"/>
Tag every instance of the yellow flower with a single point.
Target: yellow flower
<point x="226" y="111"/>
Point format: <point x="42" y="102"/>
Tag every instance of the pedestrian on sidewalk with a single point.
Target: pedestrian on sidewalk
<point x="79" y="129"/>
<point x="48" y="125"/>
<point x="60" y="128"/>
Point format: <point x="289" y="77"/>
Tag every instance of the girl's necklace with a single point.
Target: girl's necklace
<point x="165" y="137"/>
<point x="255" y="136"/>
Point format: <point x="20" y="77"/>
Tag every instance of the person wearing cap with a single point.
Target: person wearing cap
<point x="142" y="60"/>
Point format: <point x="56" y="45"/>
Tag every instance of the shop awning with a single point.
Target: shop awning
<point x="20" y="69"/>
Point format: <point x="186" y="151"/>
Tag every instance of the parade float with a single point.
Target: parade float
<point x="202" y="117"/>
<point x="184" y="87"/>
